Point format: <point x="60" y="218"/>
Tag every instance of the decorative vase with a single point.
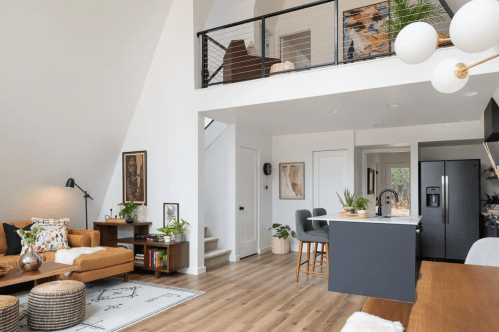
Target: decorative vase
<point x="280" y="246"/>
<point x="168" y="239"/>
<point x="179" y="237"/>
<point x="362" y="212"/>
<point x="350" y="210"/>
<point x="130" y="220"/>
<point x="30" y="260"/>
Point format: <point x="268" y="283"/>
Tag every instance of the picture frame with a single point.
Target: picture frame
<point x="135" y="177"/>
<point x="174" y="207"/>
<point x="371" y="179"/>
<point x="292" y="181"/>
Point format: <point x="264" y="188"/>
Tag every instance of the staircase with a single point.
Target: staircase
<point x="213" y="256"/>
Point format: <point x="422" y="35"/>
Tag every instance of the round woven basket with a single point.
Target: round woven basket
<point x="9" y="313"/>
<point x="56" y="305"/>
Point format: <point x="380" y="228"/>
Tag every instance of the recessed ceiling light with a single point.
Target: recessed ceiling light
<point x="471" y="93"/>
<point x="394" y="105"/>
<point x="335" y="112"/>
<point x="378" y="126"/>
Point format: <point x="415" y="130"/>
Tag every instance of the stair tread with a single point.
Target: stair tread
<point x="210" y="239"/>
<point x="216" y="253"/>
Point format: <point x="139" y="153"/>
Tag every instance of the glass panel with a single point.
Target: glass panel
<point x="401" y="183"/>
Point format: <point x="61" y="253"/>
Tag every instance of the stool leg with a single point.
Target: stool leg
<point x="327" y="260"/>
<point x="308" y="256"/>
<point x="299" y="261"/>
<point x="322" y="253"/>
<point x="315" y="255"/>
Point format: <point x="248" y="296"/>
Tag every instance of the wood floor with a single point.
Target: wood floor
<point x="257" y="294"/>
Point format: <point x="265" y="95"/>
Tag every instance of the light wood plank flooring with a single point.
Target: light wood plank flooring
<point x="257" y="294"/>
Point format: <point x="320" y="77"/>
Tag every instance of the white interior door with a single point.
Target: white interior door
<point x="330" y="172"/>
<point x="248" y="209"/>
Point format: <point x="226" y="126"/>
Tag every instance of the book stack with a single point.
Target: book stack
<point x="155" y="260"/>
<point x="139" y="258"/>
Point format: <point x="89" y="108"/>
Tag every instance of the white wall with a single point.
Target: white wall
<point x="167" y="125"/>
<point x="71" y="76"/>
<point x="300" y="148"/>
<point x="214" y="130"/>
<point x="459" y="152"/>
<point x="220" y="189"/>
<point x="262" y="143"/>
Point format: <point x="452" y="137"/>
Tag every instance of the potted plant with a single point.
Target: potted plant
<point x="492" y="201"/>
<point x="179" y="229"/>
<point x="168" y="233"/>
<point x="349" y="200"/>
<point x="361" y="205"/>
<point x="405" y="12"/>
<point x="30" y="260"/>
<point x="280" y="241"/>
<point x="128" y="210"/>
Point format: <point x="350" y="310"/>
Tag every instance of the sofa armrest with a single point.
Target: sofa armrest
<point x="94" y="235"/>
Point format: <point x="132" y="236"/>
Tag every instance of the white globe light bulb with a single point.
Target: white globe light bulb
<point x="444" y="78"/>
<point x="416" y="43"/>
<point x="475" y="27"/>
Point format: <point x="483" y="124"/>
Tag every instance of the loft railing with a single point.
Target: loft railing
<point x="317" y="34"/>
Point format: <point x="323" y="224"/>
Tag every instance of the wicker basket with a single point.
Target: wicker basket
<point x="4" y="269"/>
<point x="280" y="246"/>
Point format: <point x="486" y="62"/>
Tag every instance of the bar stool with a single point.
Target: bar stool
<point x="319" y="225"/>
<point x="305" y="233"/>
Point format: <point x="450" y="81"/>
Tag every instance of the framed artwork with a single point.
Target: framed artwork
<point x="370" y="181"/>
<point x="170" y="210"/>
<point x="292" y="181"/>
<point x="363" y="34"/>
<point x="135" y="177"/>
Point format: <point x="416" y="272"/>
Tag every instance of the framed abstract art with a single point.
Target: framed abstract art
<point x="135" y="177"/>
<point x="292" y="181"/>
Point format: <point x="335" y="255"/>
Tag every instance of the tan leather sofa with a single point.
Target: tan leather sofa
<point x="102" y="264"/>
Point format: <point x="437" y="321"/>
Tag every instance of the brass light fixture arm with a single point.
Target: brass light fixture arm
<point x="462" y="70"/>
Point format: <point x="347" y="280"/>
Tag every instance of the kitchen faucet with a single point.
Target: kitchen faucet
<point x="380" y="196"/>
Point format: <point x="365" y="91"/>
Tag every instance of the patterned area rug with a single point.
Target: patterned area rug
<point x="113" y="304"/>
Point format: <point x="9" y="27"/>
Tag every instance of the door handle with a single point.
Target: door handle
<point x="447" y="212"/>
<point x="241" y="208"/>
<point x="443" y="200"/>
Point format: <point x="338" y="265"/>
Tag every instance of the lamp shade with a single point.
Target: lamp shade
<point x="70" y="183"/>
<point x="475" y="27"/>
<point x="416" y="43"/>
<point x="444" y="78"/>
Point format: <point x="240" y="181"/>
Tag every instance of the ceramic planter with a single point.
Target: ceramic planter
<point x="362" y="212"/>
<point x="179" y="237"/>
<point x="280" y="246"/>
<point x="168" y="239"/>
<point x="30" y="260"/>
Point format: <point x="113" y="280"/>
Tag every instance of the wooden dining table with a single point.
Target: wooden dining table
<point x="456" y="297"/>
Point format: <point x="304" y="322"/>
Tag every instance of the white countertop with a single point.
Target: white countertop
<point x="397" y="220"/>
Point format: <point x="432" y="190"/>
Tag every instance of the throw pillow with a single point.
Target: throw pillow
<point x="76" y="240"/>
<point x="53" y="240"/>
<point x="50" y="224"/>
<point x="14" y="245"/>
<point x="251" y="49"/>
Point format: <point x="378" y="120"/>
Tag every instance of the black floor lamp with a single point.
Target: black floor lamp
<point x="71" y="184"/>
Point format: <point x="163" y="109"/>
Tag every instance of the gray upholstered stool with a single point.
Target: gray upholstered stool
<point x="56" y="305"/>
<point x="9" y="313"/>
<point x="319" y="225"/>
<point x="305" y="233"/>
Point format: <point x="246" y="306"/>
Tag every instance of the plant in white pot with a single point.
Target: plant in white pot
<point x="492" y="201"/>
<point x="179" y="229"/>
<point x="361" y="204"/>
<point x="168" y="233"/>
<point x="280" y="241"/>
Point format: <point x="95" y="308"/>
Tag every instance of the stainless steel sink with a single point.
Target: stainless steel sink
<point x="389" y="217"/>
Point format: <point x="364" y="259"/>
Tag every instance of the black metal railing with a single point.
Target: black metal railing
<point x="307" y="37"/>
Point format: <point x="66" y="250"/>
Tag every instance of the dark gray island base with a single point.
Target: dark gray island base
<point x="378" y="259"/>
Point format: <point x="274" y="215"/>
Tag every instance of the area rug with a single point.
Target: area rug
<point x="113" y="304"/>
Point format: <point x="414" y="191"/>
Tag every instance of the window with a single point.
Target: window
<point x="296" y="48"/>
<point x="400" y="180"/>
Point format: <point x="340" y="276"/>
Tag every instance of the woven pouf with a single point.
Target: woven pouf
<point x="9" y="313"/>
<point x="56" y="305"/>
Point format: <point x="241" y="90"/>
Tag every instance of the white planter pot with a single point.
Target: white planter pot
<point x="168" y="239"/>
<point x="179" y="237"/>
<point x="494" y="207"/>
<point x="280" y="246"/>
<point x="362" y="212"/>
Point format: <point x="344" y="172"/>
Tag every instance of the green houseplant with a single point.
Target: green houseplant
<point x="179" y="228"/>
<point x="361" y="205"/>
<point x="280" y="240"/>
<point x="128" y="210"/>
<point x="492" y="201"/>
<point x="348" y="200"/>
<point x="167" y="231"/>
<point x="405" y="12"/>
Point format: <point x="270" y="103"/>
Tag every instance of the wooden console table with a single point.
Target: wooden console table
<point x="109" y="231"/>
<point x="178" y="254"/>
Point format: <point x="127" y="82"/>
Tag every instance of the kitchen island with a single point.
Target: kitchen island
<point x="376" y="256"/>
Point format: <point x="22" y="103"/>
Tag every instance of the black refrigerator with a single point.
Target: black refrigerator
<point x="450" y="205"/>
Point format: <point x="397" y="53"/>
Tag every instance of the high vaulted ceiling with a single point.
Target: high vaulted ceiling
<point x="71" y="76"/>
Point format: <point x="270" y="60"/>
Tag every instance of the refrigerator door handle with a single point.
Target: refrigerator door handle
<point x="447" y="212"/>
<point x="443" y="200"/>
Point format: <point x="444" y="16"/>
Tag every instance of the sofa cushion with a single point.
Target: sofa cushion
<point x="77" y="240"/>
<point x="53" y="240"/>
<point x="14" y="242"/>
<point x="3" y="242"/>
<point x="50" y="224"/>
<point x="105" y="258"/>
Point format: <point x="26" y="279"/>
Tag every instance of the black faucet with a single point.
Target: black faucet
<point x="380" y="196"/>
